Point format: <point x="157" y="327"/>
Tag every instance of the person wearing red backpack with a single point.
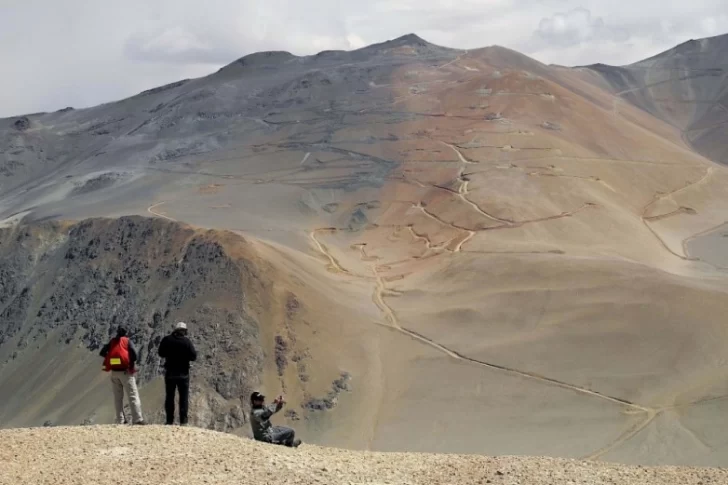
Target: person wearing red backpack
<point x="120" y="358"/>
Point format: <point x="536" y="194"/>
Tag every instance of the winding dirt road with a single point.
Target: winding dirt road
<point x="391" y="321"/>
<point x="333" y="262"/>
<point x="151" y="210"/>
<point x="658" y="197"/>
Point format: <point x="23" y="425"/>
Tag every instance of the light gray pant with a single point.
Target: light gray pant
<point x="121" y="381"/>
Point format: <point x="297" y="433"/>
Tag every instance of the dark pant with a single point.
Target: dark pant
<point x="182" y="385"/>
<point x="281" y="435"/>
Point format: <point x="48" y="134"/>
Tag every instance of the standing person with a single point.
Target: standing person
<point x="263" y="430"/>
<point x="177" y="351"/>
<point x="120" y="357"/>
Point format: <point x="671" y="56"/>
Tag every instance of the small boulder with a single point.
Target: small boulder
<point x="22" y="123"/>
<point x="550" y="126"/>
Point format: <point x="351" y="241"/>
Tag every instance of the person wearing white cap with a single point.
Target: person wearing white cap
<point x="177" y="351"/>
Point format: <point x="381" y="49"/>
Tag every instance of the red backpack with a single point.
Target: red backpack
<point x="117" y="358"/>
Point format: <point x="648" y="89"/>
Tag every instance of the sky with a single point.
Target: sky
<point x="79" y="53"/>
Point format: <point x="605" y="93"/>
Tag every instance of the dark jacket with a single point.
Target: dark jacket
<point x="133" y="355"/>
<point x="177" y="351"/>
<point x="260" y="420"/>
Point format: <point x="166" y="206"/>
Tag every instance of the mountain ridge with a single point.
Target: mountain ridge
<point x="273" y="58"/>
<point x="685" y="86"/>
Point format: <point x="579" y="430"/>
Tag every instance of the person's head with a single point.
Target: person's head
<point x="257" y="399"/>
<point x="121" y="332"/>
<point x="180" y="328"/>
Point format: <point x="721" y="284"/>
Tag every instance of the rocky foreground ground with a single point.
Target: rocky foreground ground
<point x="165" y="455"/>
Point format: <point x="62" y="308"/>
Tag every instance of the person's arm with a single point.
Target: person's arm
<point x="263" y="413"/>
<point x="163" y="348"/>
<point x="276" y="406"/>
<point x="193" y="352"/>
<point x="104" y="350"/>
<point x="270" y="410"/>
<point x="133" y="355"/>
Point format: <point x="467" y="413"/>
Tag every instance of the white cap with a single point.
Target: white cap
<point x="180" y="326"/>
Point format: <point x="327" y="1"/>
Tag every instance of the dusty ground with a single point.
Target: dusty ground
<point x="158" y="455"/>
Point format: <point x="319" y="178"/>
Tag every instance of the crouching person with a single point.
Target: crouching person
<point x="263" y="430"/>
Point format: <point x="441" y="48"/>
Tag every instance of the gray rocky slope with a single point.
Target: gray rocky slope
<point x="687" y="86"/>
<point x="53" y="163"/>
<point x="64" y="288"/>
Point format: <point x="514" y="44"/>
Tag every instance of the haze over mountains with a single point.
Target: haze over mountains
<point x="441" y="250"/>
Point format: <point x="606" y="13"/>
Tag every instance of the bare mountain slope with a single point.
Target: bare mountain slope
<point x="468" y="230"/>
<point x="687" y="86"/>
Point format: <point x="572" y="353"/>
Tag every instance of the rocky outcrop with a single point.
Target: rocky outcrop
<point x="332" y="398"/>
<point x="22" y="123"/>
<point x="71" y="283"/>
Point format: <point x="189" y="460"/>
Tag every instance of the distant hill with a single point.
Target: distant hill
<point x="687" y="86"/>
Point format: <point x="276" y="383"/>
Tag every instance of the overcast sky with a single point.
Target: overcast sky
<point x="58" y="53"/>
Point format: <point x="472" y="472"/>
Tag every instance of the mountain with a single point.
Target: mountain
<point x="686" y="86"/>
<point x="427" y="249"/>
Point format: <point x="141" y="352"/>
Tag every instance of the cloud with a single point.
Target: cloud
<point x="575" y="27"/>
<point x="84" y="52"/>
<point x="611" y="34"/>
<point x="176" y="44"/>
<point x="225" y="30"/>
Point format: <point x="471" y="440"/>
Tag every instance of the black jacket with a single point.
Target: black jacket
<point x="177" y="351"/>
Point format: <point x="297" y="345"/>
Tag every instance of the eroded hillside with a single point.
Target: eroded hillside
<point x="65" y="287"/>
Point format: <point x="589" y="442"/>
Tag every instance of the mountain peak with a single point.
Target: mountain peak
<point x="409" y="40"/>
<point x="693" y="48"/>
<point x="265" y="58"/>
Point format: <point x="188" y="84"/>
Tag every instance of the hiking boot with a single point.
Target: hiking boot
<point x="140" y="423"/>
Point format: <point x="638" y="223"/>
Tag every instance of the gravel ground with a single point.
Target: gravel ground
<point x="166" y="455"/>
